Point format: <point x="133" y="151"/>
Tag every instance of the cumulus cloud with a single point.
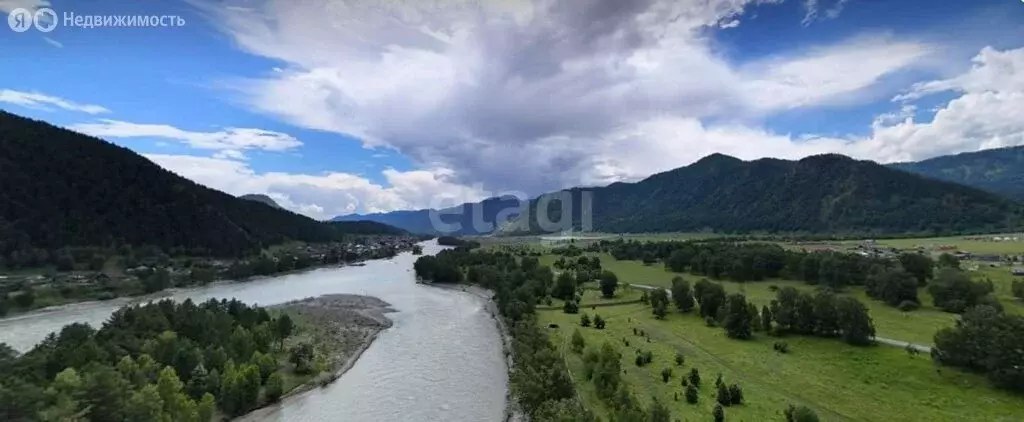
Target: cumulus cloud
<point x="326" y="195"/>
<point x="44" y="102"/>
<point x="536" y="95"/>
<point x="231" y="141"/>
<point x="812" y="9"/>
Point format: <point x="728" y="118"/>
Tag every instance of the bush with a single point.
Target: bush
<point x="723" y="395"/>
<point x="599" y="322"/>
<point x="584" y="320"/>
<point x="781" y="347"/>
<point x="718" y="413"/>
<point x="640" y="360"/>
<point x="773" y="288"/>
<point x="570" y="307"/>
<point x="694" y="378"/>
<point x="679" y="359"/>
<point x="1018" y="289"/>
<point x="577" y="343"/>
<point x="666" y="374"/>
<point x="908" y="305"/>
<point x="691" y="394"/>
<point x="800" y="414"/>
<point x="710" y="321"/>
<point x="736" y="394"/>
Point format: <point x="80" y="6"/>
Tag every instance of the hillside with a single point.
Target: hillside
<point x="59" y="188"/>
<point x="998" y="170"/>
<point x="819" y="194"/>
<point x="364" y="227"/>
<point x="457" y="220"/>
<point x="260" y="198"/>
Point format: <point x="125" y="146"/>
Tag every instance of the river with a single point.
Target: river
<point x="442" y="359"/>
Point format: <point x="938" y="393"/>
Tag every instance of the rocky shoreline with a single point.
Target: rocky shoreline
<point x="513" y="413"/>
<point x="355" y="321"/>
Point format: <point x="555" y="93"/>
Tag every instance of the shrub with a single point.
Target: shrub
<point x="577" y="342"/>
<point x="694" y="377"/>
<point x="584" y="320"/>
<point x="781" y="347"/>
<point x="736" y="394"/>
<point x="691" y="394"/>
<point x="639" y="360"/>
<point x="666" y="373"/>
<point x="718" y="413"/>
<point x="773" y="287"/>
<point x="908" y="305"/>
<point x="679" y="359"/>
<point x="723" y="395"/>
<point x="570" y="307"/>
<point x="710" y="321"/>
<point x="599" y="322"/>
<point x="800" y="414"/>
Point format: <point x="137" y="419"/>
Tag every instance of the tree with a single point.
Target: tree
<point x="1018" y="291"/>
<point x="301" y="356"/>
<point x="666" y="374"/>
<point x="691" y="394"/>
<point x="854" y="321"/>
<point x="577" y="342"/>
<point x="892" y="285"/>
<point x="659" y="303"/>
<point x="157" y="281"/>
<point x="718" y="413"/>
<point x="609" y="282"/>
<point x="565" y="286"/>
<point x="106" y="394"/>
<point x="918" y="265"/>
<point x="275" y="387"/>
<point x="176" y="404"/>
<point x="948" y="261"/>
<point x="145" y="405"/>
<point x="826" y="316"/>
<point x="722" y="396"/>
<point x="766" y="319"/>
<point x="710" y="296"/>
<point x="658" y="412"/>
<point x="737" y="320"/>
<point x="953" y="291"/>
<point x="206" y="407"/>
<point x="27" y="297"/>
<point x="283" y="328"/>
<point x="584" y="320"/>
<point x="694" y="377"/>
<point x="198" y="382"/>
<point x="987" y="341"/>
<point x="598" y="322"/>
<point x="570" y="307"/>
<point x="681" y="294"/>
<point x="736" y="394"/>
<point x="679" y="359"/>
<point x="65" y="393"/>
<point x="800" y="414"/>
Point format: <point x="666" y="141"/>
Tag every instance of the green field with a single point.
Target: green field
<point x="917" y="327"/>
<point x="980" y="244"/>
<point x="840" y="382"/>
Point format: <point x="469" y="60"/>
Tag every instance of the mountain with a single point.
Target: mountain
<point x="260" y="198"/>
<point x="367" y="228"/>
<point x="819" y="194"/>
<point x="998" y="170"/>
<point x="63" y="189"/>
<point x="458" y="219"/>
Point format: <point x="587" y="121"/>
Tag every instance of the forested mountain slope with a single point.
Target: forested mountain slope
<point x="261" y="198"/>
<point x="59" y="189"/>
<point x="998" y="170"/>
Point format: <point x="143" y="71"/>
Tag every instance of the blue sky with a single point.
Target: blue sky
<point x="341" y="108"/>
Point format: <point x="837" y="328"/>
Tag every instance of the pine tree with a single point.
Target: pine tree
<point x="691" y="394"/>
<point x="723" y="395"/>
<point x="718" y="413"/>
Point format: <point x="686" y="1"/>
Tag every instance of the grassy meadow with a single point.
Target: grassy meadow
<point x="840" y="382"/>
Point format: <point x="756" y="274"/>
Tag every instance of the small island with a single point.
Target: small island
<point x="189" y="361"/>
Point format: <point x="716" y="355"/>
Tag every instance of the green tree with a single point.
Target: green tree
<point x="679" y="359"/>
<point x="177" y="405"/>
<point x="266" y="363"/>
<point x="598" y="322"/>
<point x="577" y="342"/>
<point x="1017" y="288"/>
<point x="609" y="282"/>
<point x="565" y="286"/>
<point x="584" y="320"/>
<point x="948" y="261"/>
<point x="718" y="413"/>
<point x="737" y="320"/>
<point x="710" y="296"/>
<point x="570" y="307"/>
<point x="722" y="396"/>
<point x="26" y="298"/>
<point x="666" y="374"/>
<point x="145" y="405"/>
<point x="953" y="291"/>
<point x="691" y="394"/>
<point x="658" y="412"/>
<point x="302" y="356"/>
<point x="736" y="394"/>
<point x="198" y="383"/>
<point x="694" y="377"/>
<point x="65" y="393"/>
<point x="682" y="295"/>
<point x="659" y="303"/>
<point x="919" y="266"/>
<point x="855" y="323"/>
<point x="766" y="319"/>
<point x="106" y="393"/>
<point x="283" y="328"/>
<point x="206" y="407"/>
<point x="275" y="387"/>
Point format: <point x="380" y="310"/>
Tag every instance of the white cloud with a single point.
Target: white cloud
<point x="53" y="42"/>
<point x="7" y="6"/>
<point x="42" y="101"/>
<point x="326" y="195"/>
<point x="811" y="11"/>
<point x="516" y="94"/>
<point x="230" y="140"/>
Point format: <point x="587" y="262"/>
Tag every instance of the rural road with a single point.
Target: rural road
<point x="881" y="340"/>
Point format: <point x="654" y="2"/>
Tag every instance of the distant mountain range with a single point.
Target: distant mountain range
<point x="819" y="194"/>
<point x="998" y="170"/>
<point x="261" y="198"/>
<point x="63" y="189"/>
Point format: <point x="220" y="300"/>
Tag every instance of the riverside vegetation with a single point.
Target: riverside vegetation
<point x="646" y="360"/>
<point x="185" y="361"/>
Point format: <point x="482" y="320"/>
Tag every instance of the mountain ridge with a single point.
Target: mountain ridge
<point x="998" y="170"/>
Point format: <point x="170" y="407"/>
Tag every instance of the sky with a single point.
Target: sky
<point x="363" y="106"/>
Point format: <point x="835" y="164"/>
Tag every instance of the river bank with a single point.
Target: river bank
<point x="512" y="411"/>
<point x="341" y="327"/>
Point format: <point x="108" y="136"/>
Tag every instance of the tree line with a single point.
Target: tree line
<point x="156" y="362"/>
